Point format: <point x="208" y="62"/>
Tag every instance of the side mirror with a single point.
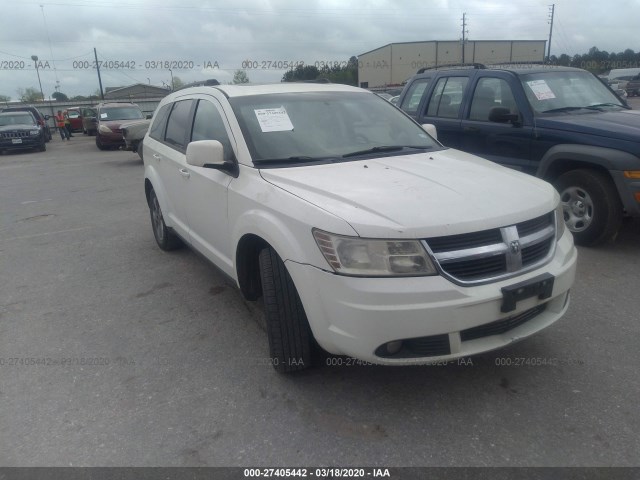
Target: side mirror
<point x="148" y="116"/>
<point x="502" y="115"/>
<point x="210" y="154"/>
<point x="430" y="129"/>
<point x="47" y="117"/>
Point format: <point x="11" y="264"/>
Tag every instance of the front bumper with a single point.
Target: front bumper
<point x="25" y="143"/>
<point x="357" y="316"/>
<point x="111" y="139"/>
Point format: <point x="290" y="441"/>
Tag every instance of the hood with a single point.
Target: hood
<point x="20" y="126"/>
<point x="622" y="125"/>
<point x="419" y="196"/>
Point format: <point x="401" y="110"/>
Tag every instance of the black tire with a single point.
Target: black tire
<point x="165" y="237"/>
<point x="100" y="145"/>
<point x="592" y="208"/>
<point x="290" y="337"/>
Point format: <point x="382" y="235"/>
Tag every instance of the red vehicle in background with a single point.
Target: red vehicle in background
<point x="76" y="116"/>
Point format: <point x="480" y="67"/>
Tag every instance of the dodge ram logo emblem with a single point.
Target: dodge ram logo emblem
<point x="514" y="246"/>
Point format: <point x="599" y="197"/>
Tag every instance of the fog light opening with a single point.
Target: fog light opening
<point x="393" y="347"/>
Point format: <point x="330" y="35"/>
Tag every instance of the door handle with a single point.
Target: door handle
<point x="184" y="172"/>
<point x="471" y="129"/>
<point x="156" y="156"/>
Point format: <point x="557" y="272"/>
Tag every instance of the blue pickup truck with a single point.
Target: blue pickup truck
<point x="562" y="124"/>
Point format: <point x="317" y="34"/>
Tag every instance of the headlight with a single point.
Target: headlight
<point x="104" y="129"/>
<point x="372" y="257"/>
<point x="34" y="132"/>
<point x="560" y="225"/>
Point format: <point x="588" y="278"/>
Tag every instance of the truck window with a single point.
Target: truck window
<point x="447" y="97"/>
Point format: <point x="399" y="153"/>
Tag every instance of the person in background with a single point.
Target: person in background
<point x="61" y="125"/>
<point x="67" y="124"/>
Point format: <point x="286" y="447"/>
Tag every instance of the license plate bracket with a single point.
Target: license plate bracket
<point x="540" y="286"/>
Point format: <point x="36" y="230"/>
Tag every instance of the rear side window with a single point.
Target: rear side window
<point x="178" y="124"/>
<point x="411" y="101"/>
<point x="157" y="129"/>
<point x="208" y="125"/>
<point x="447" y="97"/>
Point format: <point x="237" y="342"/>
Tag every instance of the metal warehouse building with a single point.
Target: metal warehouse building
<point x="396" y="62"/>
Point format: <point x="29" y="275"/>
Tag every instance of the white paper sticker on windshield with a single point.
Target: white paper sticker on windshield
<point x="541" y="90"/>
<point x="103" y="115"/>
<point x="274" y="119"/>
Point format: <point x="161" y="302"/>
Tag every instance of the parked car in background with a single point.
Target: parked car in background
<point x="109" y="119"/>
<point x="562" y="124"/>
<point x="19" y="131"/>
<point x="133" y="133"/>
<point x="76" y="117"/>
<point x="40" y="118"/>
<point x="633" y="86"/>
<point x="361" y="233"/>
<point x="89" y="121"/>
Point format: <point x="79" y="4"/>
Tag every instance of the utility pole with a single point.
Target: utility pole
<point x="552" y="9"/>
<point x="35" y="62"/>
<point x="95" y="54"/>
<point x="464" y="33"/>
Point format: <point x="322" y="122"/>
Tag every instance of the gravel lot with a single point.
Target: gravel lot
<point x="114" y="353"/>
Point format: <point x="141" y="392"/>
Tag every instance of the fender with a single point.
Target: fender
<point x="608" y="158"/>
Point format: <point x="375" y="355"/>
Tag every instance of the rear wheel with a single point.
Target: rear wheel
<point x="592" y="208"/>
<point x="290" y="337"/>
<point x="165" y="237"/>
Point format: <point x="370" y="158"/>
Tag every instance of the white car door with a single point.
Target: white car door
<point x="206" y="195"/>
<point x="167" y="155"/>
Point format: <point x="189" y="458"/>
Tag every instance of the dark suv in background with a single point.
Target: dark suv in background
<point x="20" y="131"/>
<point x="559" y="123"/>
<point x="109" y="119"/>
<point x="40" y="118"/>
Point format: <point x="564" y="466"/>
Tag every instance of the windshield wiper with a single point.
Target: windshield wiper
<point x="294" y="159"/>
<point x="598" y="105"/>
<point x="563" y="109"/>
<point x="382" y="148"/>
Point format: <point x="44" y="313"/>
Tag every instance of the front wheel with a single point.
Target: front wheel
<point x="290" y="337"/>
<point x="591" y="206"/>
<point x="100" y="145"/>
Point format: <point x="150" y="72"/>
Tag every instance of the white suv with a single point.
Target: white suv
<point x="361" y="233"/>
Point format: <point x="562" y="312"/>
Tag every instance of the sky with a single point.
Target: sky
<point x="138" y="41"/>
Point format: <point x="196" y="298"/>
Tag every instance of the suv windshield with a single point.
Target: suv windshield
<point x="312" y="126"/>
<point x="120" y="113"/>
<point x="564" y="91"/>
<point x="17" y="119"/>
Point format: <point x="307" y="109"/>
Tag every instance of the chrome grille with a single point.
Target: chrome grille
<point x="15" y="134"/>
<point x="495" y="254"/>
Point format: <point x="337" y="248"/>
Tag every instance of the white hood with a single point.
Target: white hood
<point x="418" y="196"/>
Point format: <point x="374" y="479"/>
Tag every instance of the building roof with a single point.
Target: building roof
<point x="137" y="90"/>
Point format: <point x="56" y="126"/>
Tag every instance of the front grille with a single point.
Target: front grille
<point x="536" y="252"/>
<point x="15" y="134"/>
<point x="501" y="326"/>
<point x="495" y="254"/>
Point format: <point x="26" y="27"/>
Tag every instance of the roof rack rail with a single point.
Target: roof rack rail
<point x="477" y="66"/>
<point x="201" y="83"/>
<point x="315" y="80"/>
